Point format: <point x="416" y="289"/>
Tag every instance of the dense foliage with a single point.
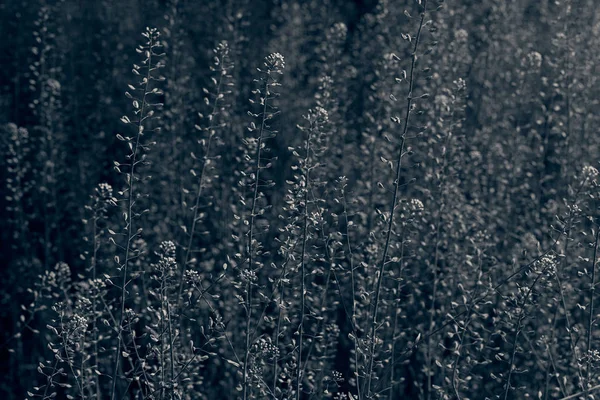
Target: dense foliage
<point x="299" y="199"/>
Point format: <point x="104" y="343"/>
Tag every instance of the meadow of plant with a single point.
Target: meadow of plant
<point x="299" y="199"/>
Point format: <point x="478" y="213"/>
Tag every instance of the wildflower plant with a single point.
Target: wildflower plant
<point x="216" y="123"/>
<point x="306" y="219"/>
<point x="389" y="218"/>
<point x="254" y="204"/>
<point x="143" y="95"/>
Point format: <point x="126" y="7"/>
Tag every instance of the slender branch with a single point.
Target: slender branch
<point x="591" y="315"/>
<point x="135" y="149"/>
<point x="248" y="301"/>
<point x="394" y="202"/>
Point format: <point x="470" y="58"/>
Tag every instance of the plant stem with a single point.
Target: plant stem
<point x="188" y="250"/>
<point x="394" y="202"/>
<point x="251" y="233"/>
<point x="129" y="219"/>
<point x="306" y="189"/>
<point x="591" y="315"/>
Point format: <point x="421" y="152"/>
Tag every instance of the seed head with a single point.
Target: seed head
<point x="589" y="172"/>
<point x="461" y="36"/>
<point x="534" y="60"/>
<point x="275" y="62"/>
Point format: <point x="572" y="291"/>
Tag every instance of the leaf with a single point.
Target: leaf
<point x="234" y="363"/>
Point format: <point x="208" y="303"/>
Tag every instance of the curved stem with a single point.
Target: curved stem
<point x="129" y="216"/>
<point x="188" y="250"/>
<point x="591" y="315"/>
<point x="251" y="233"/>
<point x="394" y="203"/>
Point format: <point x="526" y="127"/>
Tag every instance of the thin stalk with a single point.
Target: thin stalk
<point x="442" y="204"/>
<point x="277" y="333"/>
<point x="399" y="288"/>
<point x="520" y="327"/>
<point x="82" y="367"/>
<point x="279" y="318"/>
<point x="353" y="295"/>
<point x="432" y="307"/>
<point x="466" y="321"/>
<point x="433" y="296"/>
<point x="251" y="234"/>
<point x="162" y="339"/>
<point x="303" y="264"/>
<point x="591" y="315"/>
<point x="372" y="151"/>
<point x="94" y="303"/>
<point x="188" y="250"/>
<point x="130" y="203"/>
<point x="513" y="353"/>
<point x="71" y="362"/>
<point x="330" y="271"/>
<point x="565" y="261"/>
<point x="171" y="351"/>
<point x="576" y="395"/>
<point x="455" y="371"/>
<point x="49" y="382"/>
<point x="394" y="202"/>
<point x="551" y="358"/>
